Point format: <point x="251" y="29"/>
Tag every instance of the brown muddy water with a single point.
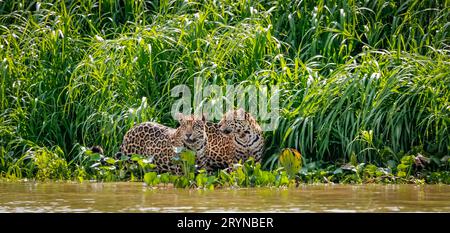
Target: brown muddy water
<point x="137" y="197"/>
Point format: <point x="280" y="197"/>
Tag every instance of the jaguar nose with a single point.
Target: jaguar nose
<point x="188" y="135"/>
<point x="226" y="130"/>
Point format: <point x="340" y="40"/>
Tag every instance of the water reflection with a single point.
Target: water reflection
<point x="136" y="197"/>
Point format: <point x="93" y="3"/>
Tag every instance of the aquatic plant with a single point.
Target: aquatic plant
<point x="50" y="165"/>
<point x="291" y="161"/>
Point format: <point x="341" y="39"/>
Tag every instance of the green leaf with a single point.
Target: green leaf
<point x="391" y="164"/>
<point x="165" y="178"/>
<point x="88" y="152"/>
<point x="291" y="160"/>
<point x="402" y="167"/>
<point x="367" y="136"/>
<point x="401" y="174"/>
<point x="149" y="177"/>
<point x="181" y="182"/>
<point x="200" y="180"/>
<point x="124" y="158"/>
<point x="110" y="160"/>
<point x="338" y="171"/>
<point x="96" y="157"/>
<point x="173" y="178"/>
<point x="407" y="159"/>
<point x="188" y="156"/>
<point x="136" y="157"/>
<point x="108" y="168"/>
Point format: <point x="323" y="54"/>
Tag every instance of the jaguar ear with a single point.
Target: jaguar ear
<point x="240" y="114"/>
<point x="204" y="118"/>
<point x="179" y="116"/>
<point x="247" y="116"/>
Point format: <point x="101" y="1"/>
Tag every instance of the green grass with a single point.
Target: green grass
<point x="368" y="80"/>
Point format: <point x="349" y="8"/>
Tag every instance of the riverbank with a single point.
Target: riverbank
<point x="362" y="86"/>
<point x="291" y="171"/>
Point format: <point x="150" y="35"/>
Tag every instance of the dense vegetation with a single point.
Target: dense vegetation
<point x="363" y="83"/>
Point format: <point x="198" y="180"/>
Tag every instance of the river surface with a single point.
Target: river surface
<point x="137" y="197"/>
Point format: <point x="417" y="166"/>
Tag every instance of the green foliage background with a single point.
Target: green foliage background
<point x="369" y="79"/>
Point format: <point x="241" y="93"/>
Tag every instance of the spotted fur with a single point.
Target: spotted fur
<point x="159" y="141"/>
<point x="247" y="135"/>
<point x="214" y="150"/>
<point x="217" y="146"/>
